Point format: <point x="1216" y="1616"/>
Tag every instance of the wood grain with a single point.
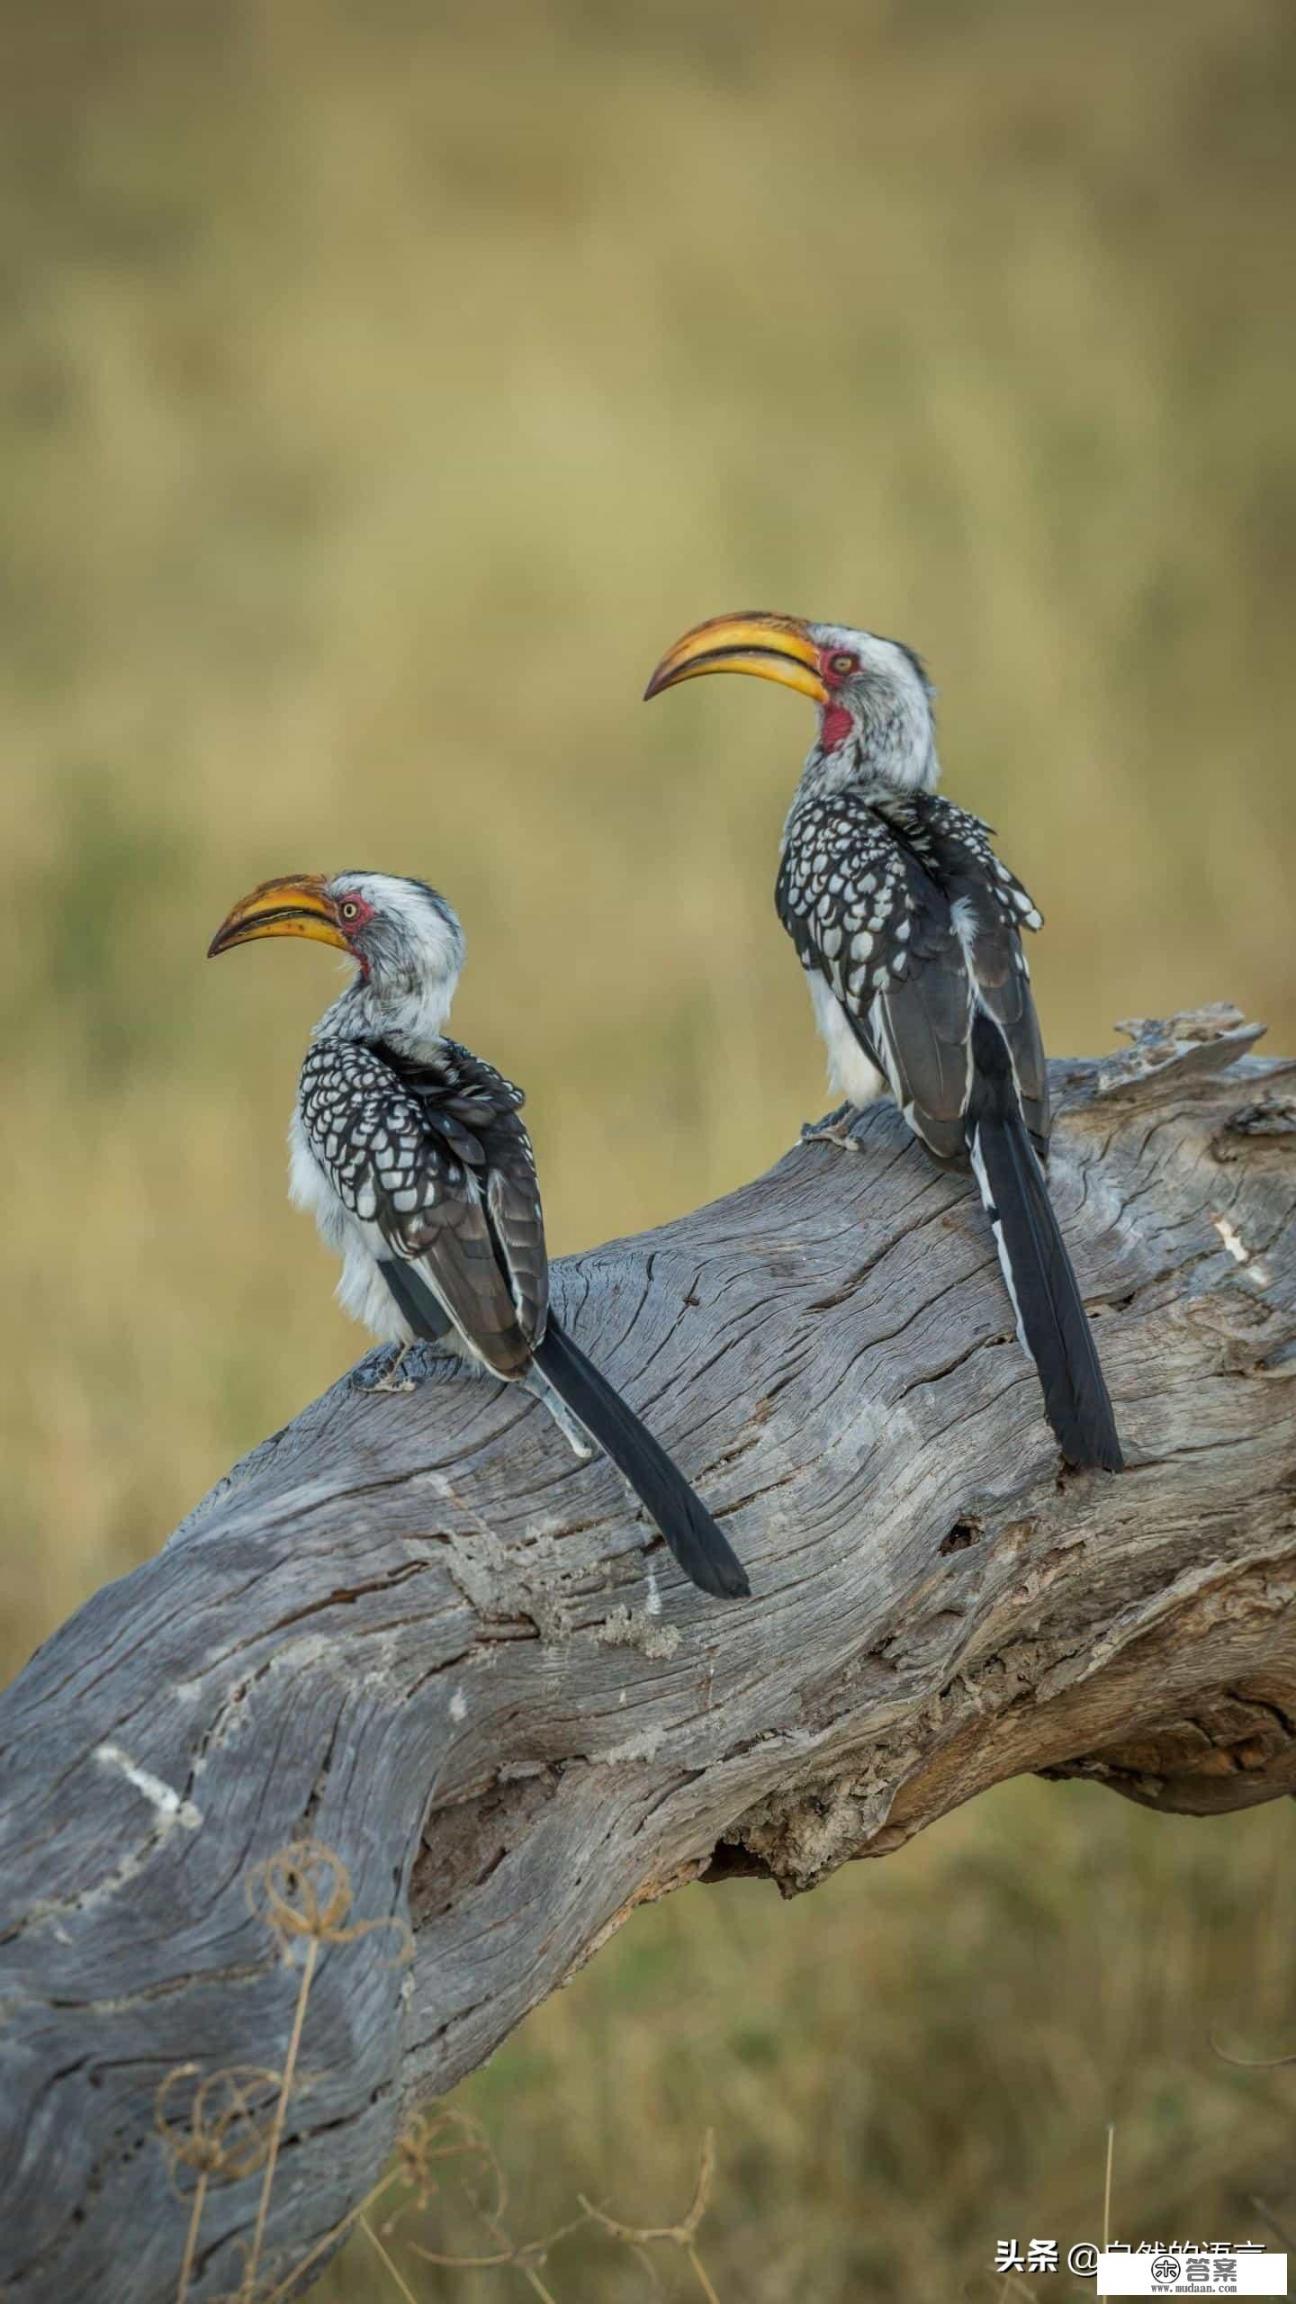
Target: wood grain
<point x="416" y="1629"/>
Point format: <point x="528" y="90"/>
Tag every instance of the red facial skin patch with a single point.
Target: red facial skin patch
<point x="834" y="726"/>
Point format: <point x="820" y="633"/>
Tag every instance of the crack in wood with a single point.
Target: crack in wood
<point x="553" y="1728"/>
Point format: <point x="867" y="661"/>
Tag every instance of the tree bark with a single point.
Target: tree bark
<point x="415" y="1629"/>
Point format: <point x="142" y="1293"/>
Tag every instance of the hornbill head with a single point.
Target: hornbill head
<point x="402" y="935"/>
<point x="873" y="695"/>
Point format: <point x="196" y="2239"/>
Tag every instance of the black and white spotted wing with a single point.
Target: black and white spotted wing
<point x="899" y="902"/>
<point x="436" y="1156"/>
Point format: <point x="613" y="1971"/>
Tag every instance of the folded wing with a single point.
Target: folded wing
<point x="436" y="1158"/>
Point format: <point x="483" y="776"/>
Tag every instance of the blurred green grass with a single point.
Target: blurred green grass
<point x="380" y="389"/>
<point x="917" y="2060"/>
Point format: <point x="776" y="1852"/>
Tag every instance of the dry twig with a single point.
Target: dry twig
<point x="682" y="2235"/>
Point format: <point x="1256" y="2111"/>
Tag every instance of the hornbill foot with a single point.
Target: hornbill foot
<point x="398" y="1368"/>
<point x="571" y="1428"/>
<point x="837" y="1128"/>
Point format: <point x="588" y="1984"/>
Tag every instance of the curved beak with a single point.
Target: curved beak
<point x="768" y="646"/>
<point x="296" y="906"/>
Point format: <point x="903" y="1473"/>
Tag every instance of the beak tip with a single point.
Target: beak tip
<point x="757" y="641"/>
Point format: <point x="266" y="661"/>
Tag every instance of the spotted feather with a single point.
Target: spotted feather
<point x="898" y="902"/>
<point x="436" y="1156"/>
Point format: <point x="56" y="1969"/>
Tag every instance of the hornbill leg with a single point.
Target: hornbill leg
<point x="392" y="1379"/>
<point x="400" y="1367"/>
<point x="571" y="1428"/>
<point x="411" y="1363"/>
<point x="837" y="1128"/>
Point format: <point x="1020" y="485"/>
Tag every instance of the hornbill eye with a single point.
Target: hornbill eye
<point x="843" y="663"/>
<point x="349" y="911"/>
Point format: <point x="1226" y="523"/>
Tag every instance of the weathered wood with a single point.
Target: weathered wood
<point x="417" y="1629"/>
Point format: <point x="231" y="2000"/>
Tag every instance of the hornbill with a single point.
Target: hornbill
<point x="908" y="927"/>
<point x="411" y="1155"/>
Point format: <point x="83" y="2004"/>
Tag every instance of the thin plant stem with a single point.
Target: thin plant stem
<point x="191" y="2236"/>
<point x="1271" y="2220"/>
<point x="702" y="2280"/>
<point x="385" y="2258"/>
<point x="528" y="2271"/>
<point x="463" y="2263"/>
<point x="508" y="2254"/>
<point x="1107" y="2184"/>
<point x="332" y="2236"/>
<point x="1107" y="2189"/>
<point x="530" y="2274"/>
<point x="280" y="2114"/>
<point x="1250" y="2063"/>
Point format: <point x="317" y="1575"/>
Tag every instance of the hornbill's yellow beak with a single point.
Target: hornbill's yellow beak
<point x="296" y="906"/>
<point x="771" y="647"/>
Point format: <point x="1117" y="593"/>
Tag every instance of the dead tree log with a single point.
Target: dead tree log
<point x="416" y="1630"/>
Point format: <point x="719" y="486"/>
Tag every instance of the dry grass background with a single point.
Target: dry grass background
<point x="380" y="389"/>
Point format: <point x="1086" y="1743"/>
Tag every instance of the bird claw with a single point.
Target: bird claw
<point x="401" y="1368"/>
<point x="837" y="1128"/>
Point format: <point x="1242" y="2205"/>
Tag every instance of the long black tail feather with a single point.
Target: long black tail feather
<point x="697" y="1543"/>
<point x="1051" y="1317"/>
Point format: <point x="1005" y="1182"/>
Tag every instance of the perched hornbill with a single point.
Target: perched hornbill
<point x="908" y="927"/>
<point x="410" y="1153"/>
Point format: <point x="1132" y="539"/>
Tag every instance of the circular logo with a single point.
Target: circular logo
<point x="1165" y="2267"/>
